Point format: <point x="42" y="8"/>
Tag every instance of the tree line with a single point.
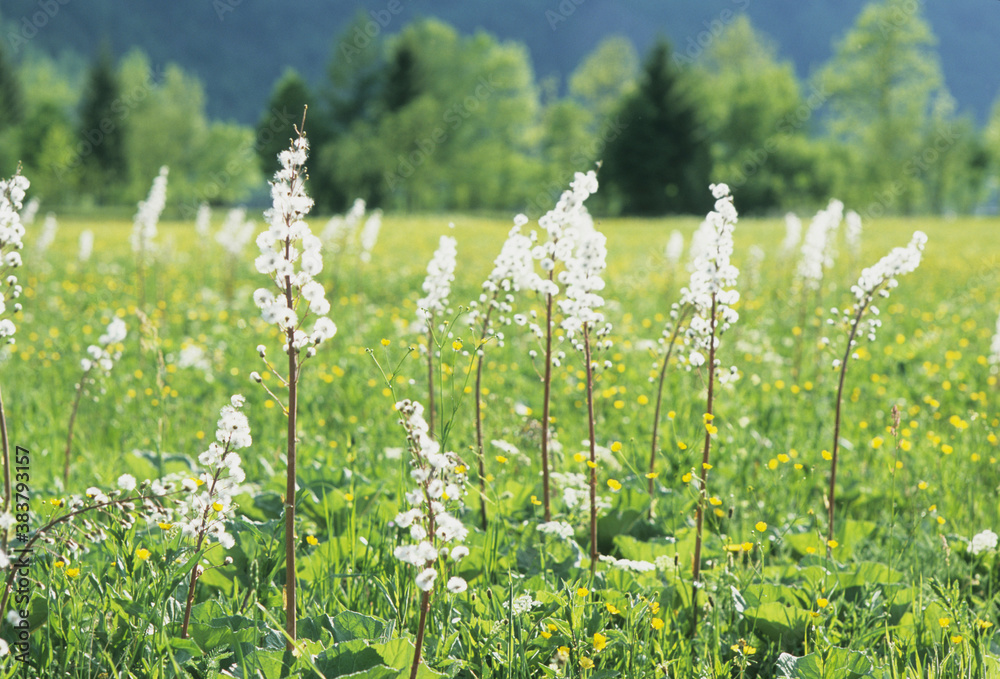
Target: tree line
<point x="430" y="119"/>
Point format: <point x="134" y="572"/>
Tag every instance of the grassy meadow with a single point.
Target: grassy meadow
<point x="900" y="595"/>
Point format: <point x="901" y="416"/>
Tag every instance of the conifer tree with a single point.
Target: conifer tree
<point x="659" y="162"/>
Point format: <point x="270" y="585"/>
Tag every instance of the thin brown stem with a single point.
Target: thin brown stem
<point x="72" y="421"/>
<point x="836" y="426"/>
<point x="480" y="447"/>
<point x="659" y="402"/>
<point x="290" y="608"/>
<point x="425" y="607"/>
<point x="593" y="451"/>
<point x="700" y="508"/>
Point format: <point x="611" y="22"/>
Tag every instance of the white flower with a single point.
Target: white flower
<point x="675" y="247"/>
<point x="711" y="290"/>
<point x="522" y="604"/>
<point x="983" y="542"/>
<point x="817" y="249"/>
<point x="126" y="482"/>
<point x="457" y="585"/>
<point x="879" y="279"/>
<point x="148" y="215"/>
<point x="559" y="528"/>
<point x="437" y="284"/>
<point x="426" y="578"/>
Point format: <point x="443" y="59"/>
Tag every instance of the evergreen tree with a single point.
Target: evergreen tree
<point x="284" y="109"/>
<point x="401" y="85"/>
<point x="659" y="161"/>
<point x="11" y="97"/>
<point x="102" y="133"/>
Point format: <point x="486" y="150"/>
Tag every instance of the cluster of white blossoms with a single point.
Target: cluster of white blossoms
<point x="513" y="271"/>
<point x="628" y="564"/>
<point x="674" y="249"/>
<point x="793" y="233"/>
<point x="435" y="531"/>
<point x="11" y="232"/>
<point x="340" y="231"/>
<point x="148" y="215"/>
<point x="236" y="232"/>
<point x="983" y="542"/>
<point x="203" y="220"/>
<point x="369" y="235"/>
<point x="437" y="284"/>
<point x="30" y="211"/>
<point x="711" y="291"/>
<point x="817" y="249"/>
<point x="86" y="245"/>
<point x="878" y="280"/>
<point x="208" y="502"/>
<point x="583" y="282"/>
<point x="47" y="236"/>
<point x="563" y="223"/>
<point x="290" y="256"/>
<point x="104" y="354"/>
<point x="853" y="231"/>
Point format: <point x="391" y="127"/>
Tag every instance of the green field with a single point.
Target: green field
<point x="901" y="595"/>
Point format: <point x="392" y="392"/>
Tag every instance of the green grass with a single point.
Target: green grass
<point x="906" y="506"/>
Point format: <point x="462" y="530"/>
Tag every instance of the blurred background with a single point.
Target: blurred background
<point x="489" y="107"/>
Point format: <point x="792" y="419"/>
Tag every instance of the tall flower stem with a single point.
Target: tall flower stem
<point x="836" y="427"/>
<point x="659" y="403"/>
<point x="425" y="607"/>
<point x="72" y="421"/>
<point x="293" y="382"/>
<point x="480" y="448"/>
<point x="702" y="494"/>
<point x="593" y="450"/>
<point x="547" y="389"/>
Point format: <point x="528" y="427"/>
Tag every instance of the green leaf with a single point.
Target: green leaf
<point x="348" y="625"/>
<point x="777" y="621"/>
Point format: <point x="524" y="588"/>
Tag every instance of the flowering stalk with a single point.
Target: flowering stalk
<point x="102" y="358"/>
<point x="437" y="287"/>
<point x="144" y="227"/>
<point x="210" y="508"/>
<point x="561" y="224"/>
<point x="11" y="231"/>
<point x="711" y="295"/>
<point x="290" y="256"/>
<point x="583" y="280"/>
<point x="877" y="280"/>
<point x="513" y="270"/>
<point x="440" y="479"/>
<point x="817" y="254"/>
